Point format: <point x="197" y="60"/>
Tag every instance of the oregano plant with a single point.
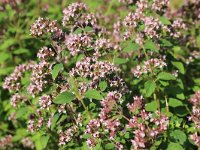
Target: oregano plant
<point x="134" y="85"/>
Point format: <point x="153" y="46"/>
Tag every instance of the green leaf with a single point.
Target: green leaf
<point x="63" y="98"/>
<point x="179" y="66"/>
<point x="54" y="120"/>
<point x="181" y="111"/>
<point x="6" y="70"/>
<point x="131" y="47"/>
<point x="165" y="20"/>
<point x="152" y="106"/>
<point x="141" y="27"/>
<point x="150" y="45"/>
<point x="87" y="29"/>
<point x="44" y="140"/>
<point x="110" y="146"/>
<point x="7" y="43"/>
<point x="80" y="57"/>
<point x="20" y="51"/>
<point x="180" y="96"/>
<point x="65" y="116"/>
<point x="120" y="61"/>
<point x="179" y="135"/>
<point x="174" y="146"/>
<point x="153" y="148"/>
<point x="56" y="69"/>
<point x="38" y="144"/>
<point x="150" y="87"/>
<point x="21" y="112"/>
<point x="72" y="84"/>
<point x="90" y="49"/>
<point x="127" y="135"/>
<point x="78" y="31"/>
<point x="174" y="102"/>
<point x="20" y="133"/>
<point x="98" y="147"/>
<point x="166" y="42"/>
<point x="94" y="94"/>
<point x="166" y="76"/>
<point x="198" y="40"/>
<point x="4" y="57"/>
<point x="164" y="83"/>
<point x="103" y="85"/>
<point x="86" y="136"/>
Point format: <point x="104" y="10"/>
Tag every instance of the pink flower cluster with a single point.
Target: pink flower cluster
<point x="72" y="12"/>
<point x="38" y="120"/>
<point x="27" y="143"/>
<point x="189" y="10"/>
<point x="78" y="43"/>
<point x="195" y="101"/>
<point x="193" y="56"/>
<point x="152" y="26"/>
<point x="13" y="82"/>
<point x="109" y="104"/>
<point x="6" y="142"/>
<point x="160" y="5"/>
<point x="137" y="104"/>
<point x="35" y="124"/>
<point x="49" y="121"/>
<point x="17" y="98"/>
<point x="143" y="133"/>
<point x="45" y="101"/>
<point x="132" y="20"/>
<point x="39" y="74"/>
<point x="105" y="121"/>
<point x="148" y="66"/>
<point x="93" y="129"/>
<point x="103" y="45"/>
<point x="96" y="71"/>
<point x="62" y="109"/>
<point x="44" y="53"/>
<point x="66" y="136"/>
<point x="196" y="138"/>
<point x="77" y="16"/>
<point x="177" y="25"/>
<point x="86" y="20"/>
<point x="90" y="67"/>
<point x="44" y="26"/>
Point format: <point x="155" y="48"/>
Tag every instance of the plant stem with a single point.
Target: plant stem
<point x="157" y="101"/>
<point x="167" y="106"/>
<point x="80" y="98"/>
<point x="7" y="130"/>
<point x="86" y="108"/>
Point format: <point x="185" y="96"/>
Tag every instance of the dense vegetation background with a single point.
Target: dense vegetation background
<point x="119" y="74"/>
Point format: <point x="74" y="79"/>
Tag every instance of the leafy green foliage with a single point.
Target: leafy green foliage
<point x="175" y="102"/>
<point x="166" y="76"/>
<point x="56" y="69"/>
<point x="64" y="98"/>
<point x="179" y="136"/>
<point x="179" y="66"/>
<point x="93" y="94"/>
<point x="152" y="106"/>
<point x="150" y="87"/>
<point x="129" y="46"/>
<point x="173" y="146"/>
<point x="150" y="45"/>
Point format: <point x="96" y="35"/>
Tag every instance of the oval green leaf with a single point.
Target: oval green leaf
<point x="63" y="98"/>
